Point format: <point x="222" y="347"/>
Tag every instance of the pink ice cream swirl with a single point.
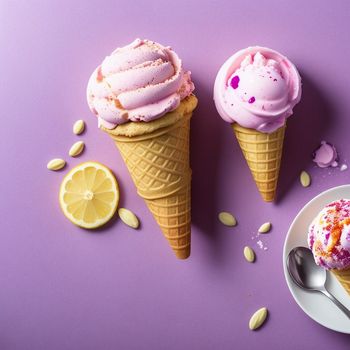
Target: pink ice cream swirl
<point x="257" y="88"/>
<point x="139" y="82"/>
<point x="329" y="236"/>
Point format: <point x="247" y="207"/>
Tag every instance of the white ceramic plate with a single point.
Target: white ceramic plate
<point x="315" y="305"/>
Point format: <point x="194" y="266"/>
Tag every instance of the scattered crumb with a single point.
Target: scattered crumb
<point x="259" y="243"/>
<point x="343" y="167"/>
<point x="255" y="235"/>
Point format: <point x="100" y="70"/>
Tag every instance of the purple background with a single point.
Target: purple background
<point x="116" y="288"/>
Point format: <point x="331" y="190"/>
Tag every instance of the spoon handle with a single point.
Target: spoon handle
<point x="337" y="302"/>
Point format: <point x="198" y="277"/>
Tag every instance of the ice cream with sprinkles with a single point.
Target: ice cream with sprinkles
<point x="329" y="236"/>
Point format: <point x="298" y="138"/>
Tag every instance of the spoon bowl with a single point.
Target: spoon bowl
<point x="304" y="271"/>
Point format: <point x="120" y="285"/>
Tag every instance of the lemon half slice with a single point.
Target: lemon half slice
<point x="89" y="195"/>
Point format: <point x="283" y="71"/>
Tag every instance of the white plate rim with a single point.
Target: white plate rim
<point x="289" y="282"/>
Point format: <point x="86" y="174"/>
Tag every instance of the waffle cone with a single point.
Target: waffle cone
<point x="157" y="156"/>
<point x="263" y="153"/>
<point x="343" y="276"/>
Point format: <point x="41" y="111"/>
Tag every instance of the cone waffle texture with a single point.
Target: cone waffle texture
<point x="343" y="276"/>
<point x="157" y="156"/>
<point x="263" y="154"/>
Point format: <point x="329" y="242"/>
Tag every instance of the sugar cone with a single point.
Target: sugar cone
<point x="157" y="156"/>
<point x="343" y="276"/>
<point x="263" y="153"/>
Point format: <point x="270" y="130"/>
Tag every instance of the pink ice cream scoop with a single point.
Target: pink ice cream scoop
<point x="329" y="236"/>
<point x="257" y="88"/>
<point x="139" y="82"/>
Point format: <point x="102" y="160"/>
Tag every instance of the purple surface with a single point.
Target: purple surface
<point x="64" y="288"/>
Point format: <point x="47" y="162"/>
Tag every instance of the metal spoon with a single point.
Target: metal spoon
<point x="309" y="276"/>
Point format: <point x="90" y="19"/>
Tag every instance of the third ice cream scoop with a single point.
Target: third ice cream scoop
<point x="329" y="240"/>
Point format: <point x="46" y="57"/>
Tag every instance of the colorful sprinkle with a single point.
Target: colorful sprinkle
<point x="251" y="100"/>
<point x="99" y="77"/>
<point x="235" y="82"/>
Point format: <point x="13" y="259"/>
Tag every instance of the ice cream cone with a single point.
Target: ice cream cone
<point x="157" y="156"/>
<point x="343" y="276"/>
<point x="262" y="152"/>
